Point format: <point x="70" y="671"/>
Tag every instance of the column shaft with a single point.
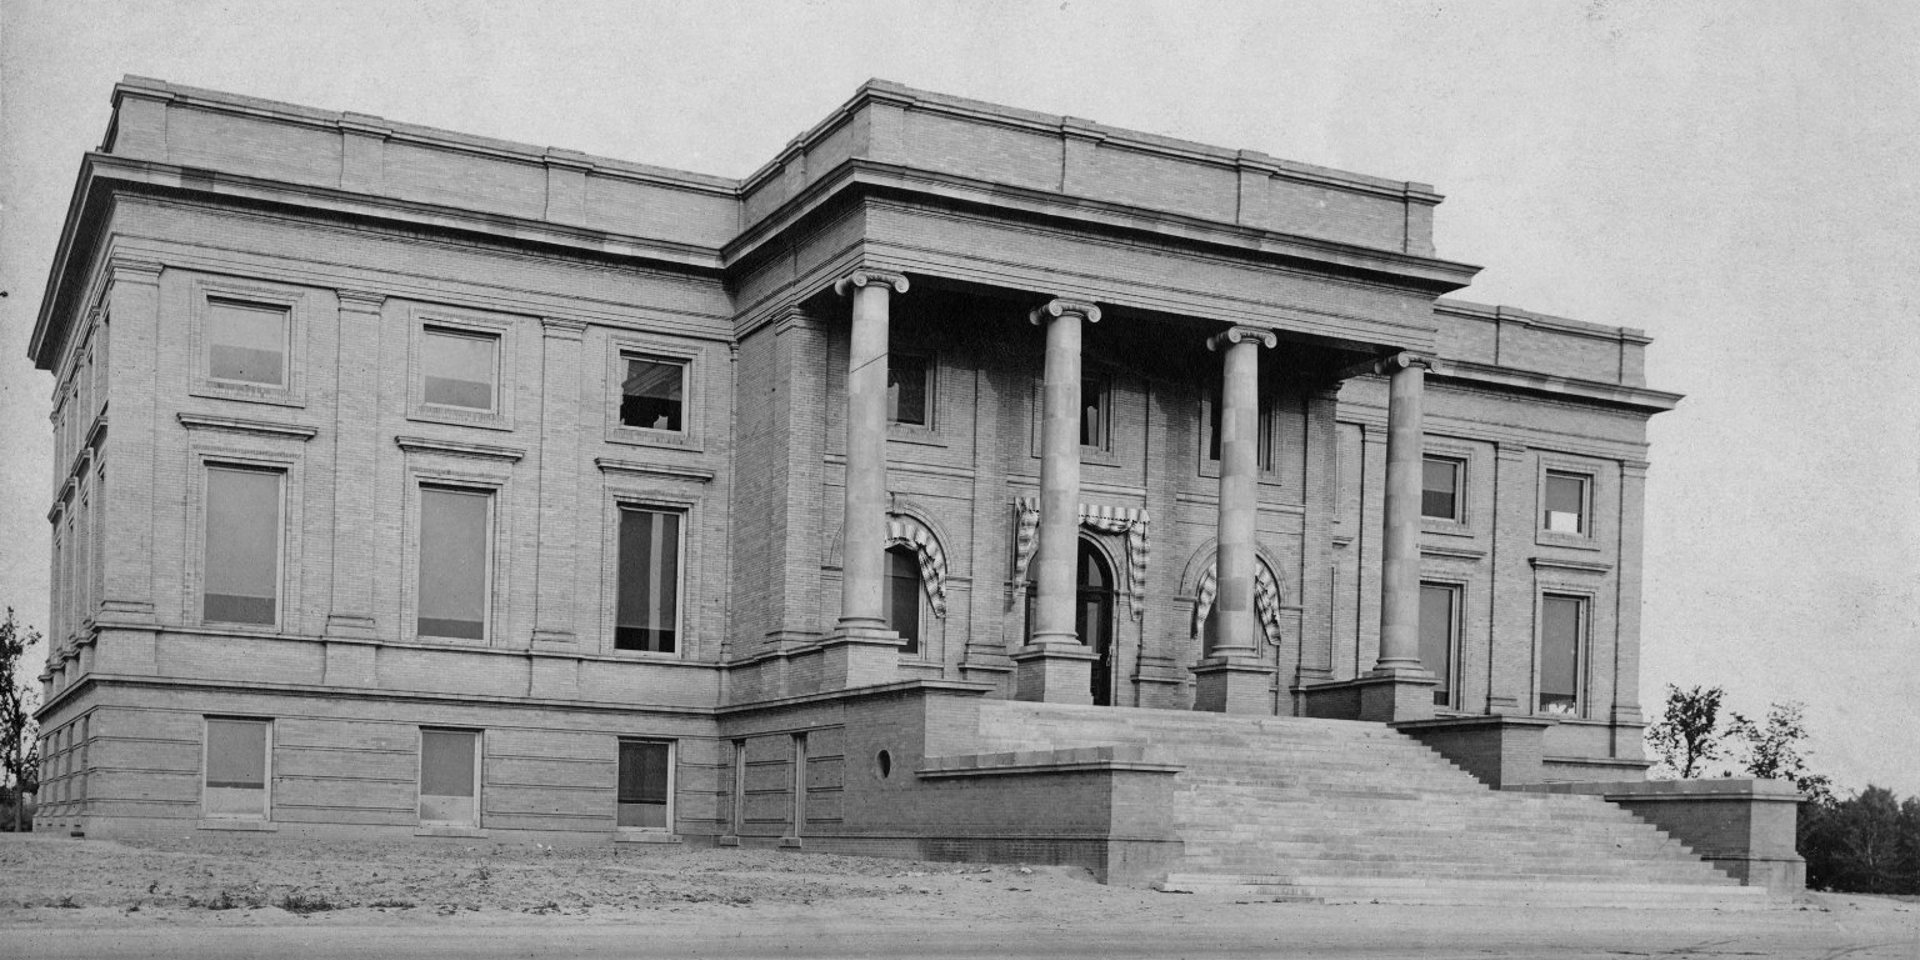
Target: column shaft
<point x="1400" y="536"/>
<point x="1059" y="484"/>
<point x="863" y="547"/>
<point x="1233" y="623"/>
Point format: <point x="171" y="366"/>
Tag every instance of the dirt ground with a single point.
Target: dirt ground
<point x="209" y="896"/>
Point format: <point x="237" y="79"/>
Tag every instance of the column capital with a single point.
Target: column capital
<point x="1059" y="307"/>
<point x="863" y="276"/>
<point x="364" y="300"/>
<point x="563" y="328"/>
<point x="1240" y="334"/>
<point x="1403" y="360"/>
<point x="139" y="271"/>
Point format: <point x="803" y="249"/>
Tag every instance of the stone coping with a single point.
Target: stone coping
<point x="1074" y="759"/>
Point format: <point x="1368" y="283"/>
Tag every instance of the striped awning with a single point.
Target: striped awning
<point x="1132" y="521"/>
<point x="910" y="533"/>
<point x="1266" y="599"/>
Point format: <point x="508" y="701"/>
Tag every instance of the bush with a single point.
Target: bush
<point x="1867" y="843"/>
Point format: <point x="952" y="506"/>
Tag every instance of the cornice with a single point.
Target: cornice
<point x="612" y="465"/>
<point x="1574" y="388"/>
<point x="456" y="448"/>
<point x="1577" y="566"/>
<point x="200" y="421"/>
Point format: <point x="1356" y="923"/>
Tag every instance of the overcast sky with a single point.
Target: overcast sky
<point x="1740" y="180"/>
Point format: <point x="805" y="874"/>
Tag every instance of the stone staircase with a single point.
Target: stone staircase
<point x="1287" y="808"/>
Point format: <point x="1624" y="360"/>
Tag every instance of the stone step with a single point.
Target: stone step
<point x="1465" y="892"/>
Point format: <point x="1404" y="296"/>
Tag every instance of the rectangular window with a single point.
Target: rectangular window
<point x="1566" y="502"/>
<point x="1439" y="635"/>
<point x="1096" y="408"/>
<point x="450" y="777"/>
<point x="648" y="612"/>
<point x="242" y="570"/>
<point x="247" y="343"/>
<point x="1264" y="452"/>
<point x="1562" y="637"/>
<point x="646" y="784"/>
<point x="653" y="394"/>
<point x="453" y="562"/>
<point x="460" y="369"/>
<point x="909" y="389"/>
<point x="236" y="769"/>
<point x="1440" y="488"/>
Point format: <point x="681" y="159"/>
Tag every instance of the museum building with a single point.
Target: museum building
<point x="952" y="486"/>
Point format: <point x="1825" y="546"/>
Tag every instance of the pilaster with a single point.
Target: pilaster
<point x="559" y="479"/>
<point x="356" y="400"/>
<point x="133" y="312"/>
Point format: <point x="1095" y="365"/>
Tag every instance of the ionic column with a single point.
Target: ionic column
<point x="1232" y="678"/>
<point x="861" y="650"/>
<point x="1408" y="695"/>
<point x="1054" y="666"/>
<point x="1239" y="488"/>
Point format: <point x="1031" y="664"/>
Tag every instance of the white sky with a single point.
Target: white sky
<point x="1740" y="180"/>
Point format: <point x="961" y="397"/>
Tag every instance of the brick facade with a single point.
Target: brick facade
<point x="370" y="234"/>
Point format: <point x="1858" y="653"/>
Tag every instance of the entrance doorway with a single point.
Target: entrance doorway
<point x="1092" y="615"/>
<point x="1093" y="618"/>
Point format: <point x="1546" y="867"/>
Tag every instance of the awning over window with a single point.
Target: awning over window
<point x="911" y="533"/>
<point x="1131" y="521"/>
<point x="1266" y="599"/>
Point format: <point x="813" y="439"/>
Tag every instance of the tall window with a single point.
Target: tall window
<point x="1264" y="451"/>
<point x="242" y="569"/>
<point x="1563" y="622"/>
<point x="647" y="616"/>
<point x="1566" y="502"/>
<point x="1439" y="636"/>
<point x="450" y="777"/>
<point x="454" y="526"/>
<point x="901" y="601"/>
<point x="653" y="394"/>
<point x="646" y="781"/>
<point x="236" y="769"/>
<point x="1440" y="488"/>
<point x="1096" y="413"/>
<point x="909" y="389"/>
<point x="460" y="368"/>
<point x="246" y="343"/>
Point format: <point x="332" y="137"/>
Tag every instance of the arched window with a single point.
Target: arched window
<point x="900" y="602"/>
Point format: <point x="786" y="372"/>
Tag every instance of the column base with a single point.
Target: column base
<point x="1233" y="685"/>
<point x="1396" y="696"/>
<point x="858" y="656"/>
<point x="1054" y="673"/>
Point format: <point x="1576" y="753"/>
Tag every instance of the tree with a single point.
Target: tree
<point x="1688" y="735"/>
<point x="19" y="754"/>
<point x="1773" y="749"/>
<point x="1863" y="844"/>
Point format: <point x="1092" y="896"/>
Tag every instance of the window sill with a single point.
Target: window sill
<point x="240" y="826"/>
<point x="633" y="835"/>
<point x="664" y="439"/>
<point x="449" y="830"/>
<point x="275" y="396"/>
<point x="1571" y="541"/>
<point x="455" y="416"/>
<point x="914" y="434"/>
<point x="1445" y="528"/>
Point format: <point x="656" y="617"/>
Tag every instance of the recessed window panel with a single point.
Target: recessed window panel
<point x="1095" y="412"/>
<point x="1439" y="629"/>
<point x="246" y="343"/>
<point x="1566" y="503"/>
<point x="453" y="562"/>
<point x="1562" y="627"/>
<point x="449" y="785"/>
<point x="1440" y="488"/>
<point x="646" y="773"/>
<point x="647" y="617"/>
<point x="236" y="769"/>
<point x="460" y="369"/>
<point x="1263" y="452"/>
<point x="908" y="389"/>
<point x="242" y="569"/>
<point x="653" y="394"/>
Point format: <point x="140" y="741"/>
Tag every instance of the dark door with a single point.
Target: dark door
<point x="1093" y="618"/>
